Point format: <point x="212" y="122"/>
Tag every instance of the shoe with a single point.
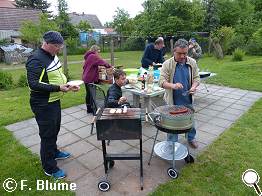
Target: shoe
<point x="193" y="144"/>
<point x="62" y="155"/>
<point x="58" y="175"/>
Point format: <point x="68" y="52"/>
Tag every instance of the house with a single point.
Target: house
<point x="11" y="19"/>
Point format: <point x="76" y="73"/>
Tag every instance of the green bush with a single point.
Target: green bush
<point x="238" y="55"/>
<point x="255" y="43"/>
<point x="134" y="43"/>
<point x="6" y="81"/>
<point x="22" y="81"/>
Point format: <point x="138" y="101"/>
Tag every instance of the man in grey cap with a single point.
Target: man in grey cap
<point x="47" y="85"/>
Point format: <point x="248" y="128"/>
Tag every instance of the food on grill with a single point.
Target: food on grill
<point x="112" y="111"/>
<point x="118" y="111"/>
<point x="179" y="111"/>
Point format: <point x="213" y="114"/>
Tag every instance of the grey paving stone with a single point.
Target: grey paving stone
<point x="79" y="114"/>
<point x="92" y="139"/>
<point x="233" y="96"/>
<point x="221" y="122"/>
<point x="31" y="121"/>
<point x="147" y="145"/>
<point x="222" y="103"/>
<point x="216" y="107"/>
<point x="62" y="131"/>
<point x="210" y="128"/>
<point x="202" y="117"/>
<point x="229" y="100"/>
<point x="244" y="103"/>
<point x="148" y="130"/>
<point x="87" y="119"/>
<point x="247" y="99"/>
<point x="205" y="137"/>
<point x="233" y="111"/>
<point x="251" y="96"/>
<point x="35" y="149"/>
<point x="66" y="118"/>
<point x="83" y="132"/>
<point x="117" y="146"/>
<point x="230" y="117"/>
<point x="209" y="112"/>
<point x="17" y="126"/>
<point x="30" y="140"/>
<point x="239" y="107"/>
<point x="82" y="106"/>
<point x="79" y="148"/>
<point x="76" y="124"/>
<point x="30" y="130"/>
<point x="92" y="159"/>
<point x="74" y="170"/>
<point x="67" y="139"/>
<point x="71" y="110"/>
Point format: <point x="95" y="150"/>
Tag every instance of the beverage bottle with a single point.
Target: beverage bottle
<point x="143" y="83"/>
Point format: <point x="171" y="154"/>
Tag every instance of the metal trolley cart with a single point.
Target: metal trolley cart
<point x="169" y="150"/>
<point x="119" y="126"/>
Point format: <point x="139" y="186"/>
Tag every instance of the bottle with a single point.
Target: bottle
<point x="143" y="83"/>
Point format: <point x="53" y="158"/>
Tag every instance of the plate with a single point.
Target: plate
<point x="75" y="82"/>
<point x="128" y="86"/>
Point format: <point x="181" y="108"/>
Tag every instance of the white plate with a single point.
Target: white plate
<point x="204" y="72"/>
<point x="128" y="86"/>
<point x="75" y="82"/>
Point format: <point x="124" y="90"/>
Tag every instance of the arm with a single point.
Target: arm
<point x="165" y="78"/>
<point x="196" y="80"/>
<point x="34" y="73"/>
<point x="112" y="101"/>
<point x="99" y="61"/>
<point x="161" y="56"/>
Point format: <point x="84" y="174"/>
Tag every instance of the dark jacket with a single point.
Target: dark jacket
<point x="113" y="95"/>
<point x="44" y="75"/>
<point x="152" y="55"/>
<point x="90" y="68"/>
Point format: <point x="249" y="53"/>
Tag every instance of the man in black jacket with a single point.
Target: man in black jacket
<point x="114" y="93"/>
<point x="47" y="85"/>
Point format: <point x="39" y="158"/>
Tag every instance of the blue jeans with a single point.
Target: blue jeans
<point x="190" y="135"/>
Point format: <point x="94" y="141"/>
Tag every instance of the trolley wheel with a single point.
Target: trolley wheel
<point x="172" y="173"/>
<point x="189" y="159"/>
<point x="103" y="185"/>
<point x="111" y="164"/>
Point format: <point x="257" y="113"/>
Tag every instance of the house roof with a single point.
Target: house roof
<point x="12" y="18"/>
<point x="93" y="20"/>
<point x="7" y="3"/>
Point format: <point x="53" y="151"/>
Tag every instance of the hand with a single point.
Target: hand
<point x="192" y="91"/>
<point x="190" y="46"/>
<point x="177" y="86"/>
<point x="122" y="100"/>
<point x="64" y="87"/>
<point x="74" y="88"/>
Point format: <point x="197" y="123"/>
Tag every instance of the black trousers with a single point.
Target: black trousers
<point x="48" y="119"/>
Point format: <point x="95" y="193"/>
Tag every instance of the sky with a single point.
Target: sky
<point x="104" y="9"/>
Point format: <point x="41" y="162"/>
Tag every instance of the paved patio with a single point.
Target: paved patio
<point x="216" y="110"/>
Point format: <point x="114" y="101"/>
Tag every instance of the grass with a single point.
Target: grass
<point x="218" y="169"/>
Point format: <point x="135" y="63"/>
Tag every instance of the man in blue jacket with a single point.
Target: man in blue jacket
<point x="153" y="53"/>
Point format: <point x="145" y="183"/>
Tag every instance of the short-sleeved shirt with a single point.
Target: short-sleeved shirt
<point x="182" y="76"/>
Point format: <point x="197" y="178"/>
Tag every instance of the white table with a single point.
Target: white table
<point x="137" y="94"/>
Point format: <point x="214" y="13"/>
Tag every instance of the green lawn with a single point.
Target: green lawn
<point x="218" y="169"/>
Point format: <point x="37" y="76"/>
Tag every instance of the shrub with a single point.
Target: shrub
<point x="134" y="43"/>
<point x="22" y="81"/>
<point x="238" y="55"/>
<point x="6" y="81"/>
<point x="255" y="43"/>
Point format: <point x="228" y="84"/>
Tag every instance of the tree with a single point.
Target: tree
<point x="33" y="4"/>
<point x="84" y="26"/>
<point x="169" y="16"/>
<point x="66" y="28"/>
<point x="211" y="21"/>
<point x="32" y="33"/>
<point x="122" y="22"/>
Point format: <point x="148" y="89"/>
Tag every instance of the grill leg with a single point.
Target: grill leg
<point x="153" y="148"/>
<point x="92" y="128"/>
<point x="173" y="146"/>
<point x="104" y="156"/>
<point x="141" y="166"/>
